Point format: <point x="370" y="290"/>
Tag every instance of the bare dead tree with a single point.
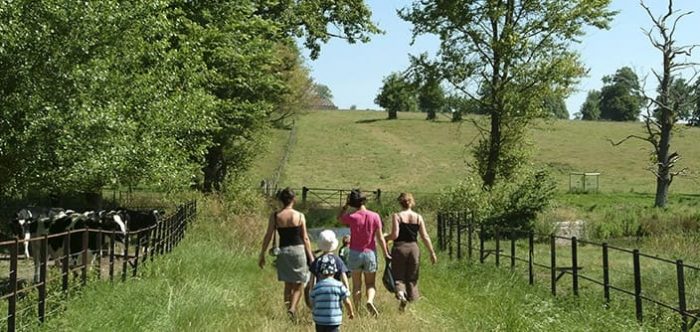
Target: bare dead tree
<point x="662" y="112"/>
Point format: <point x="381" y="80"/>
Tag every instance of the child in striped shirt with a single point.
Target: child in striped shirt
<point x="326" y="297"/>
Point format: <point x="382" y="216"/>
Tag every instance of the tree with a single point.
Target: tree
<point x="397" y="95"/>
<point x="323" y="91"/>
<point x="694" y="117"/>
<point x="516" y="51"/>
<point x="663" y="111"/>
<point x="620" y="99"/>
<point x="555" y="107"/>
<point x="590" y="110"/>
<point x="93" y="94"/>
<point x="297" y="93"/>
<point x="310" y="20"/>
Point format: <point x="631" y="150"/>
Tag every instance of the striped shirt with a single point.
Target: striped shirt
<point x="326" y="297"/>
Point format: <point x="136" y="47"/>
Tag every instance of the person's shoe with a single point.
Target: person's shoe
<point x="292" y="316"/>
<point x="372" y="309"/>
<point x="402" y="304"/>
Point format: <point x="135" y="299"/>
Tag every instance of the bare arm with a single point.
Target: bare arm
<point x="382" y="242"/>
<point x="266" y="239"/>
<point x="426" y="239"/>
<point x="394" y="228"/>
<point x="344" y="280"/>
<point x="342" y="212"/>
<point x="305" y="237"/>
<point x="348" y="306"/>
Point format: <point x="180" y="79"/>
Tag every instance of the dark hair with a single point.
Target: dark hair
<point x="286" y="195"/>
<point x="356" y="198"/>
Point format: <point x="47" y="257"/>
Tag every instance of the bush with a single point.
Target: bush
<point x="509" y="204"/>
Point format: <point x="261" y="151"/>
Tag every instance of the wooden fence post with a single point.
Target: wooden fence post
<point x="44" y="257"/>
<point x="65" y="262"/>
<point x="574" y="265"/>
<point x="111" y="255"/>
<point x="304" y="194"/>
<point x="83" y="275"/>
<point x="681" y="295"/>
<point x="531" y="257"/>
<point x="459" y="235"/>
<point x="481" y="244"/>
<point x="470" y="233"/>
<point x="498" y="246"/>
<point x="12" y="299"/>
<point x="606" y="275"/>
<point x="637" y="285"/>
<point x="512" y="250"/>
<point x="125" y="257"/>
<point x="553" y="267"/>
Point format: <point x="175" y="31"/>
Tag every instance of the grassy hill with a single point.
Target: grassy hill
<point x="360" y="148"/>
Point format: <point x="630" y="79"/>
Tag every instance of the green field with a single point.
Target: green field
<point x="211" y="283"/>
<point x="343" y="149"/>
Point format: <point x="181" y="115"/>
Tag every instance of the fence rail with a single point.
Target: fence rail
<point x="456" y="230"/>
<point x="156" y="240"/>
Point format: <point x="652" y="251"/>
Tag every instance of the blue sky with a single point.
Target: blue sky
<point x="354" y="72"/>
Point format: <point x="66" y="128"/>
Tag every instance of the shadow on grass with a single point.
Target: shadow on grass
<point x="370" y="120"/>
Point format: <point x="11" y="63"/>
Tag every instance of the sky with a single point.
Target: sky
<point x="354" y="72"/>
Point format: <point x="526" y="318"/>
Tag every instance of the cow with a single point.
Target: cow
<point x="32" y="222"/>
<point x="140" y="221"/>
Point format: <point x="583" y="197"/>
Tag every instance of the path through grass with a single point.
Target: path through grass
<point x="211" y="283"/>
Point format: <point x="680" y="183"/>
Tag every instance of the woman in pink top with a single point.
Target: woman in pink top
<point x="365" y="229"/>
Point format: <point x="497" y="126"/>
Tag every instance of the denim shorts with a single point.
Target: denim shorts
<point x="365" y="261"/>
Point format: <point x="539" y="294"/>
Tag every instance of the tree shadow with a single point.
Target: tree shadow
<point x="370" y="120"/>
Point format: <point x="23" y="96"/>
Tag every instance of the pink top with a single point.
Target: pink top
<point x="363" y="227"/>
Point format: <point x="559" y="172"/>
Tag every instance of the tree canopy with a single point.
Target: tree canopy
<point x="620" y="99"/>
<point x="124" y="93"/>
<point x="590" y="110"/>
<point x="397" y="95"/>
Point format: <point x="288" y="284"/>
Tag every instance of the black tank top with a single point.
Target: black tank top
<point x="290" y="236"/>
<point x="407" y="232"/>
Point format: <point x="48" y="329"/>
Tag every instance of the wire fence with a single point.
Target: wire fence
<point x="665" y="283"/>
<point x="25" y="298"/>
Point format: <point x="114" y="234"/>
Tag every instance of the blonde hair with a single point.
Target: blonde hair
<point x="406" y="200"/>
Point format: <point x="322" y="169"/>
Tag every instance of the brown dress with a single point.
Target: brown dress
<point x="405" y="258"/>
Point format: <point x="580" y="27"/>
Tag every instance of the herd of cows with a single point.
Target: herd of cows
<point x="32" y="223"/>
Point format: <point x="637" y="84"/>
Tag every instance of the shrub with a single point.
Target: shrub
<point x="510" y="204"/>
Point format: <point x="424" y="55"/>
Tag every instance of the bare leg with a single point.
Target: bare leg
<point x="295" y="296"/>
<point x="357" y="287"/>
<point x="287" y="294"/>
<point x="369" y="284"/>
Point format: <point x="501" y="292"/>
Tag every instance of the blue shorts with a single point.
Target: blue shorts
<point x="365" y="261"/>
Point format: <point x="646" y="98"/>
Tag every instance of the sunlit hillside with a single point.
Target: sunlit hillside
<point x="341" y="149"/>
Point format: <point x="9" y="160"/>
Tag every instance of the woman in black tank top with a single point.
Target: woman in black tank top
<point x="407" y="226"/>
<point x="294" y="252"/>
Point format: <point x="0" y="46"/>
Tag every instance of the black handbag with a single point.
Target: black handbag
<point x="388" y="278"/>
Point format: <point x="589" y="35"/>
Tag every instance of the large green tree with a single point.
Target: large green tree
<point x="92" y="93"/>
<point x="590" y="110"/>
<point x="517" y="51"/>
<point x="555" y="107"/>
<point x="620" y="99"/>
<point x="397" y="95"/>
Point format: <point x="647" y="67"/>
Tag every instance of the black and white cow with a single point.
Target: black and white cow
<point x="141" y="221"/>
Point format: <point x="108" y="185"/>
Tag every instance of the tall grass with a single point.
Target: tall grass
<point x="211" y="283"/>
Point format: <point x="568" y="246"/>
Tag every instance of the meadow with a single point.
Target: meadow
<point x="343" y="149"/>
<point x="211" y="282"/>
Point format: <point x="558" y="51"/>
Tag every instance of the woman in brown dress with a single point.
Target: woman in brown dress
<point x="407" y="226"/>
